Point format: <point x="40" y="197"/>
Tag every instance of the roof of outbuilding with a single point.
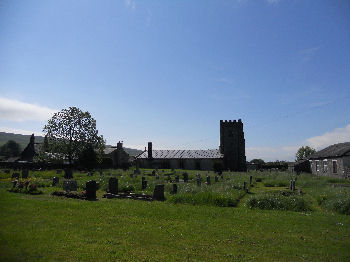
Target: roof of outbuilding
<point x="183" y="154"/>
<point x="335" y="150"/>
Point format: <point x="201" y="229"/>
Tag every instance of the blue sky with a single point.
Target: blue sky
<point x="168" y="71"/>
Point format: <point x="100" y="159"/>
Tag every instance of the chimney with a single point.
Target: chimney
<point x="149" y="149"/>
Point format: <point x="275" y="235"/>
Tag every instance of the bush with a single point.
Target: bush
<point x="127" y="188"/>
<point x="205" y="198"/>
<point x="339" y="205"/>
<point x="278" y="201"/>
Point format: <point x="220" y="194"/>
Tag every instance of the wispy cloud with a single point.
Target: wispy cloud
<point x="14" y="110"/>
<point x="225" y="80"/>
<point x="130" y="4"/>
<point x="308" y="53"/>
<point x="338" y="135"/>
<point x="20" y="131"/>
<point x="273" y="2"/>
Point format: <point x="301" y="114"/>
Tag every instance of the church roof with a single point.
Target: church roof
<point x="335" y="150"/>
<point x="182" y="154"/>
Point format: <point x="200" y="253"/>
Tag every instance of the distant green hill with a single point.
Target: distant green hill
<point x="23" y="141"/>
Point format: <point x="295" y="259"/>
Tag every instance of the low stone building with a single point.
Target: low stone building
<point x="332" y="161"/>
<point x="118" y="156"/>
<point x="230" y="155"/>
<point x="179" y="159"/>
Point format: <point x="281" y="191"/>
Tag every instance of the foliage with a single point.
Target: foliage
<point x="70" y="131"/>
<point x="278" y="201"/>
<point x="10" y="149"/>
<point x="218" y="167"/>
<point x="88" y="158"/>
<point x="304" y="152"/>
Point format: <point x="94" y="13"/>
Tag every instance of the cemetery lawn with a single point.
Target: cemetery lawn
<point x="48" y="228"/>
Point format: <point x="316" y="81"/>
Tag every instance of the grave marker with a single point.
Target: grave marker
<point x="91" y="188"/>
<point x="158" y="193"/>
<point x="113" y="185"/>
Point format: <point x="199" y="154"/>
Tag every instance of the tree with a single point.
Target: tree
<point x="258" y="162"/>
<point x="70" y="132"/>
<point x="88" y="158"/>
<point x="304" y="152"/>
<point x="10" y="149"/>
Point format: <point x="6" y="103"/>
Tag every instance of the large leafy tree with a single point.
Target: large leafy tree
<point x="304" y="152"/>
<point x="10" y="149"/>
<point x="70" y="132"/>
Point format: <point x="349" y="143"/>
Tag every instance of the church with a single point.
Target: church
<point x="230" y="154"/>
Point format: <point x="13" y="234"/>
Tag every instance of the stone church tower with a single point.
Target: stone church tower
<point x="232" y="145"/>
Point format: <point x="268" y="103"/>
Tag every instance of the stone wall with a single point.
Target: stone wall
<point x="325" y="167"/>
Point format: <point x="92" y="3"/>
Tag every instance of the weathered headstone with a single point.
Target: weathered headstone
<point x="55" y="181"/>
<point x="68" y="173"/>
<point x="174" y="189"/>
<point x="250" y="180"/>
<point x="199" y="181"/>
<point x="177" y="179"/>
<point x="91" y="188"/>
<point x="70" y="185"/>
<point x="153" y="172"/>
<point x="208" y="180"/>
<point x="216" y="179"/>
<point x="185" y="177"/>
<point x="113" y="185"/>
<point x="15" y="175"/>
<point x="245" y="185"/>
<point x="25" y="173"/>
<point x="169" y="178"/>
<point x="291" y="184"/>
<point x="144" y="184"/>
<point x="158" y="193"/>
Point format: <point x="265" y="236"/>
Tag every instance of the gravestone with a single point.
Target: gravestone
<point x="113" y="185"/>
<point x="70" y="185"/>
<point x="199" y="181"/>
<point x="174" y="189"/>
<point x="144" y="184"/>
<point x="158" y="193"/>
<point x="55" y="181"/>
<point x="216" y="179"/>
<point x="185" y="177"/>
<point x="91" y="188"/>
<point x="250" y="180"/>
<point x="90" y="173"/>
<point x="208" y="180"/>
<point x="291" y="184"/>
<point x="14" y="183"/>
<point x="143" y="178"/>
<point x="15" y="175"/>
<point x="177" y="179"/>
<point x="68" y="173"/>
<point x="25" y="173"/>
<point x="153" y="172"/>
<point x="245" y="185"/>
<point x="169" y="178"/>
<point x="58" y="171"/>
<point x="157" y="177"/>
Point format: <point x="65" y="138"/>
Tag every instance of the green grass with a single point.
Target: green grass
<point x="48" y="228"/>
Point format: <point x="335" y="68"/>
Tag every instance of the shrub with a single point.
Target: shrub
<point x="339" y="205"/>
<point x="127" y="188"/>
<point x="278" y="201"/>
